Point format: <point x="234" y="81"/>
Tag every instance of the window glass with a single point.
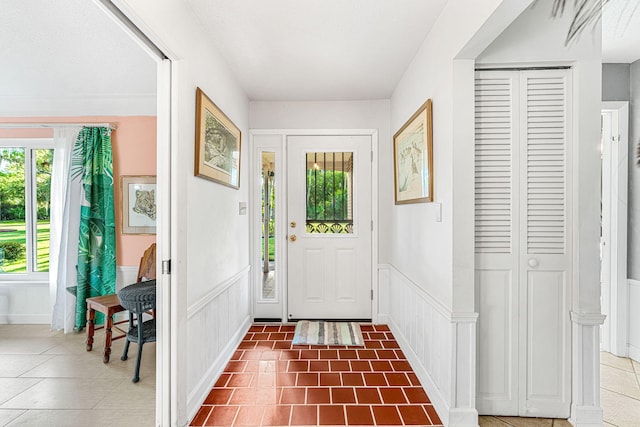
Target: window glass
<point x="268" y="226"/>
<point x="329" y="193"/>
<point x="25" y="206"/>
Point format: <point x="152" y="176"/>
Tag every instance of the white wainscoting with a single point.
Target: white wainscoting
<point x="24" y="303"/>
<point x="216" y="324"/>
<point x="125" y="275"/>
<point x="634" y="319"/>
<point x="439" y="344"/>
<point x="29" y="302"/>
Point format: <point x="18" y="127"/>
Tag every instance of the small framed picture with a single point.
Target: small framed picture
<point x="413" y="158"/>
<point x="139" y="204"/>
<point x="217" y="144"/>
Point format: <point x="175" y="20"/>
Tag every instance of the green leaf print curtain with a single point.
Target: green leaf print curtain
<point x="93" y="162"/>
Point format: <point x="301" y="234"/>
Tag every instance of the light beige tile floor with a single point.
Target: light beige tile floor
<point x="48" y="378"/>
<point x="619" y="396"/>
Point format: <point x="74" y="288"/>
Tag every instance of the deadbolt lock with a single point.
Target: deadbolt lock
<point x="293" y="224"/>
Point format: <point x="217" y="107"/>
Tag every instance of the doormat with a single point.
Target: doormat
<point x="327" y="333"/>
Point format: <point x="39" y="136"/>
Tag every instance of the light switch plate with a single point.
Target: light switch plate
<point x="438" y="207"/>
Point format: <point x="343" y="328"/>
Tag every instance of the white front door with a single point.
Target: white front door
<point x="329" y="227"/>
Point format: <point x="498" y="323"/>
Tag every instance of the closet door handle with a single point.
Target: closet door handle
<point x="533" y="262"/>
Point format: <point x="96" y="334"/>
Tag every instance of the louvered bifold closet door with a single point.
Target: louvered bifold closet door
<point x="497" y="115"/>
<point x="522" y="207"/>
<point x="545" y="243"/>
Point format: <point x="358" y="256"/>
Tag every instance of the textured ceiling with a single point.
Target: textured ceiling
<point x="278" y="49"/>
<point x="69" y="49"/>
<point x="318" y="49"/>
<point x="621" y="31"/>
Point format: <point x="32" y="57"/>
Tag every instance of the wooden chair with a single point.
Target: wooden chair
<point x="109" y="305"/>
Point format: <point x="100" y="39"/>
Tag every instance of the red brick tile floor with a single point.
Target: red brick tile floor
<point x="270" y="382"/>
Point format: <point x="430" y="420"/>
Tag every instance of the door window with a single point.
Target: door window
<point x="329" y="192"/>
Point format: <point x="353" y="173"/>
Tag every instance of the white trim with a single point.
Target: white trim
<point x="24" y="142"/>
<point x="25" y="319"/>
<point x="615" y="295"/>
<point x="215" y="292"/>
<point x="14" y="284"/>
<point x="634" y="352"/>
<point x="589" y="319"/>
<point x="633" y="346"/>
<point x="101" y="104"/>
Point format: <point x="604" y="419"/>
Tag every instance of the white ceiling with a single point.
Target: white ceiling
<point x="621" y="31"/>
<point x="68" y="50"/>
<point x="318" y="49"/>
<point x="278" y="49"/>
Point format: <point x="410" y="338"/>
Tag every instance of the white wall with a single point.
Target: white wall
<point x="634" y="212"/>
<point x="634" y="173"/>
<point x="210" y="239"/>
<point x="536" y="39"/>
<point x="339" y="115"/>
<point x="430" y="271"/>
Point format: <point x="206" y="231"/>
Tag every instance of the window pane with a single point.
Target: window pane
<point x="44" y="161"/>
<point x="268" y="226"/>
<point x="13" y="237"/>
<point x="329" y="193"/>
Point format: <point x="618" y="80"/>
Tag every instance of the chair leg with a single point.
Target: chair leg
<point x="125" y="354"/>
<point x="136" y="374"/>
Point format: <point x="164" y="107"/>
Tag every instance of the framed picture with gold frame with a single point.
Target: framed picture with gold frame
<point x="413" y="158"/>
<point x="218" y="144"/>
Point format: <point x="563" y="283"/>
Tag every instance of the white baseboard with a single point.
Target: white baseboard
<point x="463" y="418"/>
<point x="586" y="416"/>
<point x="634" y="353"/>
<point x="25" y="319"/>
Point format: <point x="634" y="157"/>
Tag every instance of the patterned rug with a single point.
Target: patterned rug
<point x="327" y="333"/>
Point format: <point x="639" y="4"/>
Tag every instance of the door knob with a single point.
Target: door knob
<point x="293" y="238"/>
<point x="533" y="262"/>
<point x="293" y="224"/>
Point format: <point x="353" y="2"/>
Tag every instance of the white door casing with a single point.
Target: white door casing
<point x="329" y="275"/>
<point x="613" y="248"/>
<point x="523" y="241"/>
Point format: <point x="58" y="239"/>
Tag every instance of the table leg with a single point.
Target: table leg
<point x="91" y="316"/>
<point x="108" y="323"/>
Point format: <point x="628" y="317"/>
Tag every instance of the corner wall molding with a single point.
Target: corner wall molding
<point x="587" y="318"/>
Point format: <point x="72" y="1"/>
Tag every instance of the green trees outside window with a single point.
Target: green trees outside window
<point x="25" y="185"/>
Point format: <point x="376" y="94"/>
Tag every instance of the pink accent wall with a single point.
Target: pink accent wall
<point x="134" y="153"/>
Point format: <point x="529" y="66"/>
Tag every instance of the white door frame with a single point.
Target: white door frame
<point x="615" y="292"/>
<point x="281" y="262"/>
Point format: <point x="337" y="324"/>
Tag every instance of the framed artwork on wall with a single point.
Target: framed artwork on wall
<point x="138" y="204"/>
<point x="413" y="158"/>
<point x="218" y="144"/>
